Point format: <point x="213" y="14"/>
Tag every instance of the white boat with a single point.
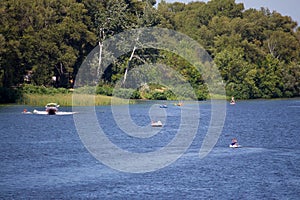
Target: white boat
<point x="38" y="112"/>
<point x="50" y="109"/>
<point x="156" y="124"/>
<point x="235" y="146"/>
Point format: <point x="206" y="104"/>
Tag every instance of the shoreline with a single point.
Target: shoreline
<point x="67" y="100"/>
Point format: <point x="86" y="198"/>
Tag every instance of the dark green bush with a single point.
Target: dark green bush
<point x="104" y="90"/>
<point x="158" y="96"/>
<point x="126" y="93"/>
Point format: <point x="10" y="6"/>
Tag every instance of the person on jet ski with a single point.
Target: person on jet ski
<point x="234" y="141"/>
<point x="232" y="100"/>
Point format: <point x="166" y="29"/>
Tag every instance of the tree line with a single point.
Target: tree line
<point x="44" y="42"/>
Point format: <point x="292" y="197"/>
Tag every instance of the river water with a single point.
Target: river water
<point x="43" y="157"/>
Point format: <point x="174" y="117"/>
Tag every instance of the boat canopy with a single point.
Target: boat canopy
<point x="52" y="105"/>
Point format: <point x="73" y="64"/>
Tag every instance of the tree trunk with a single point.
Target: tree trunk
<point x="128" y="63"/>
<point x="99" y="61"/>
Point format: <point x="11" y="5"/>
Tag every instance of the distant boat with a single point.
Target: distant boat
<point x="26" y="112"/>
<point x="235" y="146"/>
<point x="232" y="102"/>
<point x="234" y="143"/>
<point x="178" y="104"/>
<point x="163" y="106"/>
<point x="156" y="124"/>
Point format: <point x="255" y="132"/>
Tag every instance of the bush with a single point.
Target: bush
<point x="104" y="90"/>
<point x="170" y="95"/>
<point x="154" y="95"/>
<point x="136" y="95"/>
<point x="126" y="93"/>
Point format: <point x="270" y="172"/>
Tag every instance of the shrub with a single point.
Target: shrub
<point x="158" y="96"/>
<point x="127" y="93"/>
<point x="104" y="90"/>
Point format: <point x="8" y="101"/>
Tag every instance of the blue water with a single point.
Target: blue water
<point x="42" y="157"/>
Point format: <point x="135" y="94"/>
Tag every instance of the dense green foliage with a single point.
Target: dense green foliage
<point x="43" y="43"/>
<point x="31" y="89"/>
<point x="257" y="51"/>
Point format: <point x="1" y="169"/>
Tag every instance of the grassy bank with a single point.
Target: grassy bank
<point x="78" y="99"/>
<point x="67" y="100"/>
<point x="100" y="95"/>
<point x="219" y="97"/>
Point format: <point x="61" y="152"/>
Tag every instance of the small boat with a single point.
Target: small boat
<point x="232" y="102"/>
<point x="26" y="112"/>
<point x="156" y="124"/>
<point x="163" y="106"/>
<point x="235" y="146"/>
<point x="37" y="112"/>
<point x="51" y="108"/>
<point x="178" y="104"/>
<point x="234" y="143"/>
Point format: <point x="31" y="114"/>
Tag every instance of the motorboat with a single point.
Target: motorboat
<point x="232" y="102"/>
<point x="178" y="104"/>
<point x="156" y="124"/>
<point x="236" y="145"/>
<point x="163" y="106"/>
<point x="38" y="112"/>
<point x="51" y="108"/>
